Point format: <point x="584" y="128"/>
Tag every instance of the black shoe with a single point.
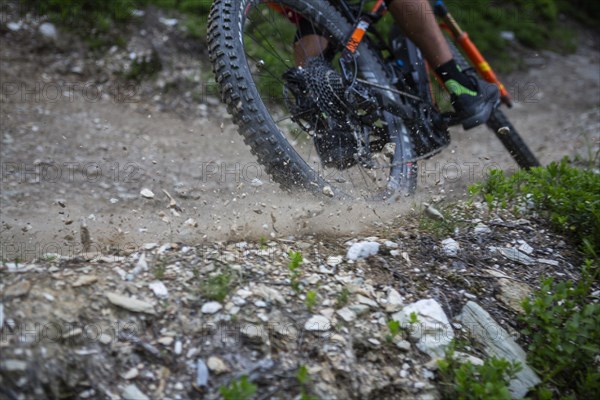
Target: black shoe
<point x="473" y="107"/>
<point x="336" y="148"/>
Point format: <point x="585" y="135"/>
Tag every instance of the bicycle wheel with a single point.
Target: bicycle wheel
<point x="501" y="126"/>
<point x="251" y="47"/>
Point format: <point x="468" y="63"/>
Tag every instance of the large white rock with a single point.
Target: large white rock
<point x="317" y="323"/>
<point x="498" y="343"/>
<point x="362" y="250"/>
<point x="129" y="303"/>
<point x="211" y="307"/>
<point x="432" y="328"/>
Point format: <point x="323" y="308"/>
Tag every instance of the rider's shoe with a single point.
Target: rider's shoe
<point x="473" y="106"/>
<point x="336" y="149"/>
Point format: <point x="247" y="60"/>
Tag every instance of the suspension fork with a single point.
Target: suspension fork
<point x="471" y="51"/>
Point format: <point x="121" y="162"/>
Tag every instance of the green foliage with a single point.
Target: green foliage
<point x="342" y="298"/>
<point x="294" y="267"/>
<point x="475" y="382"/>
<point x="567" y="196"/>
<point x="311" y="300"/>
<point x="304" y="380"/>
<point x="394" y="328"/>
<point x="564" y="328"/>
<point x="240" y="389"/>
<point x="217" y="287"/>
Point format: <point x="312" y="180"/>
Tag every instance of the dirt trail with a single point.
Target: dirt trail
<point x="76" y="158"/>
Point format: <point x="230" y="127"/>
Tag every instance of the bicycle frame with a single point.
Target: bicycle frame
<point x="448" y="24"/>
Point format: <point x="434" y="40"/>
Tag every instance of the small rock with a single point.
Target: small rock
<point x="19" y="289"/>
<point x="178" y="347"/>
<point x="403" y="345"/>
<point x="374" y="342"/>
<point x="130" y="303"/>
<point x="159" y="289"/>
<point x="525" y="248"/>
<point x="450" y="247"/>
<point x="362" y="250"/>
<point x="333" y="261"/>
<point x="464" y="357"/>
<point x="432" y="212"/>
<point x="269" y="294"/>
<point x="516" y="256"/>
<point x="216" y="365"/>
<point x="347" y="314"/>
<point x="15" y="26"/>
<point x="211" y="307"/>
<point x="85" y="280"/>
<point x="132" y="392"/>
<point x="394" y="301"/>
<point x="359" y="309"/>
<point x="548" y="262"/>
<point x="317" y="323"/>
<point x="165" y="340"/>
<point x="482" y="229"/>
<point x="327" y="191"/>
<point x="366" y="301"/>
<point x="256" y="182"/>
<point x="131" y="374"/>
<point x="507" y="35"/>
<point x="147" y="193"/>
<point x="105" y="338"/>
<point x="48" y="30"/>
<point x="13" y="365"/>
<point x="201" y="373"/>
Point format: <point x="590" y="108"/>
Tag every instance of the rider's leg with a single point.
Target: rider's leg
<point x="472" y="99"/>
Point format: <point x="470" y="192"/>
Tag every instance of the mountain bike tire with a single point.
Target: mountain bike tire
<point x="501" y="125"/>
<point x="235" y="73"/>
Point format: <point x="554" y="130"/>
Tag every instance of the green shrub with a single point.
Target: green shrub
<point x="240" y="389"/>
<point x="564" y="328"/>
<point x="475" y="382"/>
<point x="567" y="196"/>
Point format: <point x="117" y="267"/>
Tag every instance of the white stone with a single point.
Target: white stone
<point x="516" y="256"/>
<point x="317" y="323"/>
<point x="48" y="30"/>
<point x="394" y="301"/>
<point x="211" y="307"/>
<point x="129" y="303"/>
<point x="432" y="329"/>
<point x="362" y="250"/>
<point x="347" y="314"/>
<point x="132" y="392"/>
<point x="450" y="247"/>
<point x="482" y="229"/>
<point x="525" y="247"/>
<point x="159" y="289"/>
<point x="147" y="193"/>
<point x="333" y="261"/>
<point x="366" y="301"/>
<point x="216" y="365"/>
<point x="131" y="374"/>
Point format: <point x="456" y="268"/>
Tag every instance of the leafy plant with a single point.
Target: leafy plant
<point x="240" y="389"/>
<point x="475" y="382"/>
<point x="342" y="298"/>
<point x="294" y="267"/>
<point x="304" y="380"/>
<point x="567" y="196"/>
<point x="564" y="327"/>
<point x="217" y="287"/>
<point x="311" y="300"/>
<point x="394" y="328"/>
